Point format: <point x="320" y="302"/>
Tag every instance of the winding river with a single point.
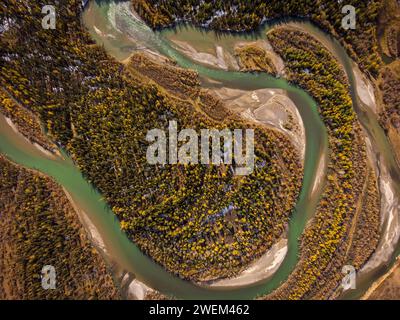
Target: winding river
<point x="112" y="24"/>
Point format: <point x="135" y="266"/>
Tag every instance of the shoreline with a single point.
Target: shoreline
<point x="137" y="290"/>
<point x="91" y="229"/>
<point x="381" y="280"/>
<point x="390" y="224"/>
<point x="92" y="232"/>
<point x="217" y="61"/>
<point x="321" y="172"/>
<point x="260" y="269"/>
<point x="269" y="107"/>
<point x="48" y="154"/>
<point x="390" y="209"/>
<point x="365" y="90"/>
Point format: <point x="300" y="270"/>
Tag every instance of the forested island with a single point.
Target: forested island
<point x="201" y="223"/>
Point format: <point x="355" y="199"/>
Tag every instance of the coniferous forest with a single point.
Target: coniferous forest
<point x="68" y="96"/>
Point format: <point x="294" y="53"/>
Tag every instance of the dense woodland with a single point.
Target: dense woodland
<point x="39" y="227"/>
<point x="218" y="221"/>
<point x="239" y="15"/>
<point x="199" y="221"/>
<point x="388" y="81"/>
<point x="329" y="243"/>
<point x="389" y="85"/>
<point x="25" y="120"/>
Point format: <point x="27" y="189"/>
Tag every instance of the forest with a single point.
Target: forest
<point x="389" y="85"/>
<point x="100" y="112"/>
<point x="26" y="121"/>
<point x="39" y="227"/>
<point x="350" y="195"/>
<point x="388" y="30"/>
<point x="238" y="15"/>
<point x="199" y="222"/>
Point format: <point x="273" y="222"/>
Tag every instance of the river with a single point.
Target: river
<point x="114" y="26"/>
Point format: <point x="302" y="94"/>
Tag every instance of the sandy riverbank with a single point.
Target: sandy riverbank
<point x="93" y="233"/>
<point x="320" y="176"/>
<point x="271" y="107"/>
<point x="390" y="223"/>
<point x="365" y="89"/>
<point x="220" y="59"/>
<point x="42" y="151"/>
<point x="390" y="204"/>
<point x="136" y="290"/>
<point x="261" y="269"/>
<point x="157" y="57"/>
<point x="378" y="283"/>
